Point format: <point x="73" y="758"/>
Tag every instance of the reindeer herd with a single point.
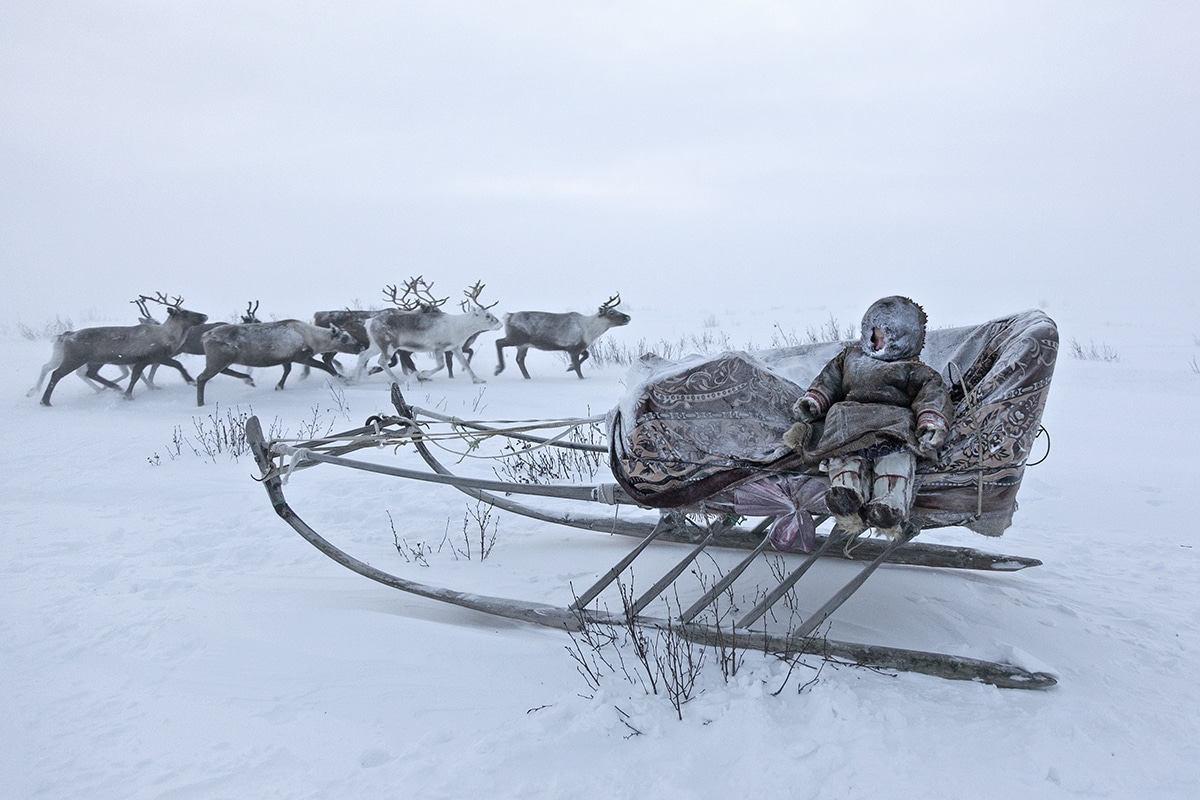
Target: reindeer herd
<point x="415" y="323"/>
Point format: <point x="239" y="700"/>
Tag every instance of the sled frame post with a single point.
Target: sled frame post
<point x="666" y="580"/>
<point x="787" y="583"/>
<point x="730" y="577"/>
<point x="833" y="603"/>
<point x="599" y="586"/>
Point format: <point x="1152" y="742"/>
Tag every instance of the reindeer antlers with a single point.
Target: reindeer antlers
<point x="612" y="302"/>
<point x="161" y="299"/>
<point x="421" y="292"/>
<point x="146" y="315"/>
<point x="389" y="294"/>
<point x="473" y="295"/>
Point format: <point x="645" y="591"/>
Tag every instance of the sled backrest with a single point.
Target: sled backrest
<point x="999" y="376"/>
<point x="682" y="426"/>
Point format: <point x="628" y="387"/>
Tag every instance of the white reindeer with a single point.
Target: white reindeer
<point x="429" y="330"/>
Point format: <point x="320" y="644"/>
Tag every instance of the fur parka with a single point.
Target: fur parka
<point x="876" y="393"/>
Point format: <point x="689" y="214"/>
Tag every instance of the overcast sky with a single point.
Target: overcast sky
<point x="981" y="157"/>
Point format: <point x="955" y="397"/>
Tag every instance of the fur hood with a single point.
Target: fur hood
<point x="902" y="323"/>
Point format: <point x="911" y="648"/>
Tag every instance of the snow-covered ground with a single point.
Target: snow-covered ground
<point x="164" y="635"/>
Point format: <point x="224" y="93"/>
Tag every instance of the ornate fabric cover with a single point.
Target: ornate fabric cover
<point x="688" y="433"/>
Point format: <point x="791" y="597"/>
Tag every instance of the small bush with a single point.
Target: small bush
<point x="479" y="529"/>
<point x="658" y="660"/>
<point x="830" y="331"/>
<point x="48" y="330"/>
<point x="531" y="464"/>
<point x="1092" y="351"/>
<point x="418" y="553"/>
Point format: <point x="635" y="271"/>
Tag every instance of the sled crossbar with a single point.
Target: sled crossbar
<point x="599" y="586"/>
<point x="832" y="604"/>
<point x="666" y="580"/>
<point x="724" y="583"/>
<point x="785" y="585"/>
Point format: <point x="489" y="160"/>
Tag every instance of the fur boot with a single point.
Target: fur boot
<point x="847" y="492"/>
<point x="891" y="492"/>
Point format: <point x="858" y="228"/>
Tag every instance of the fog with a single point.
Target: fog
<point x="979" y="157"/>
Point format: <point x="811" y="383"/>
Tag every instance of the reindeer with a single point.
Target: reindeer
<point x="423" y="327"/>
<point x="571" y="332"/>
<point x="417" y="298"/>
<point x="56" y="358"/>
<point x="354" y="322"/>
<point x="193" y="344"/>
<point x="138" y="346"/>
<point x="269" y="344"/>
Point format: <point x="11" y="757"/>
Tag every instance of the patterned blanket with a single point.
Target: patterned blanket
<point x="696" y="433"/>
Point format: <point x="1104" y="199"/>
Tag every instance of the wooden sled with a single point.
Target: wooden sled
<point x="1003" y="383"/>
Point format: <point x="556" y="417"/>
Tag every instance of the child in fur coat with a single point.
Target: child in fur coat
<point x="882" y="408"/>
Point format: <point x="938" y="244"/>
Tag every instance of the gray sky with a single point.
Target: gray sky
<point x="980" y="157"/>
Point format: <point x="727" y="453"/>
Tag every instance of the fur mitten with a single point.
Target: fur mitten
<point x="796" y="437"/>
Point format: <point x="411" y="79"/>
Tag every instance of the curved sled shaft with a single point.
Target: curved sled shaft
<point x="878" y="657"/>
<point x="939" y="665"/>
<point x="561" y="492"/>
<point x="542" y="615"/>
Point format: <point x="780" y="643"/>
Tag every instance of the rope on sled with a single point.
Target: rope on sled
<point x="474" y="435"/>
<point x="374" y="434"/>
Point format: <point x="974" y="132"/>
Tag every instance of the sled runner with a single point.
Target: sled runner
<point x="698" y="443"/>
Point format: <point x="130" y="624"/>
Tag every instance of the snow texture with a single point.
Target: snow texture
<point x="164" y="635"/>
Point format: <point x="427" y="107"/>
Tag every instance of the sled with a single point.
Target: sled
<point x="691" y="447"/>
